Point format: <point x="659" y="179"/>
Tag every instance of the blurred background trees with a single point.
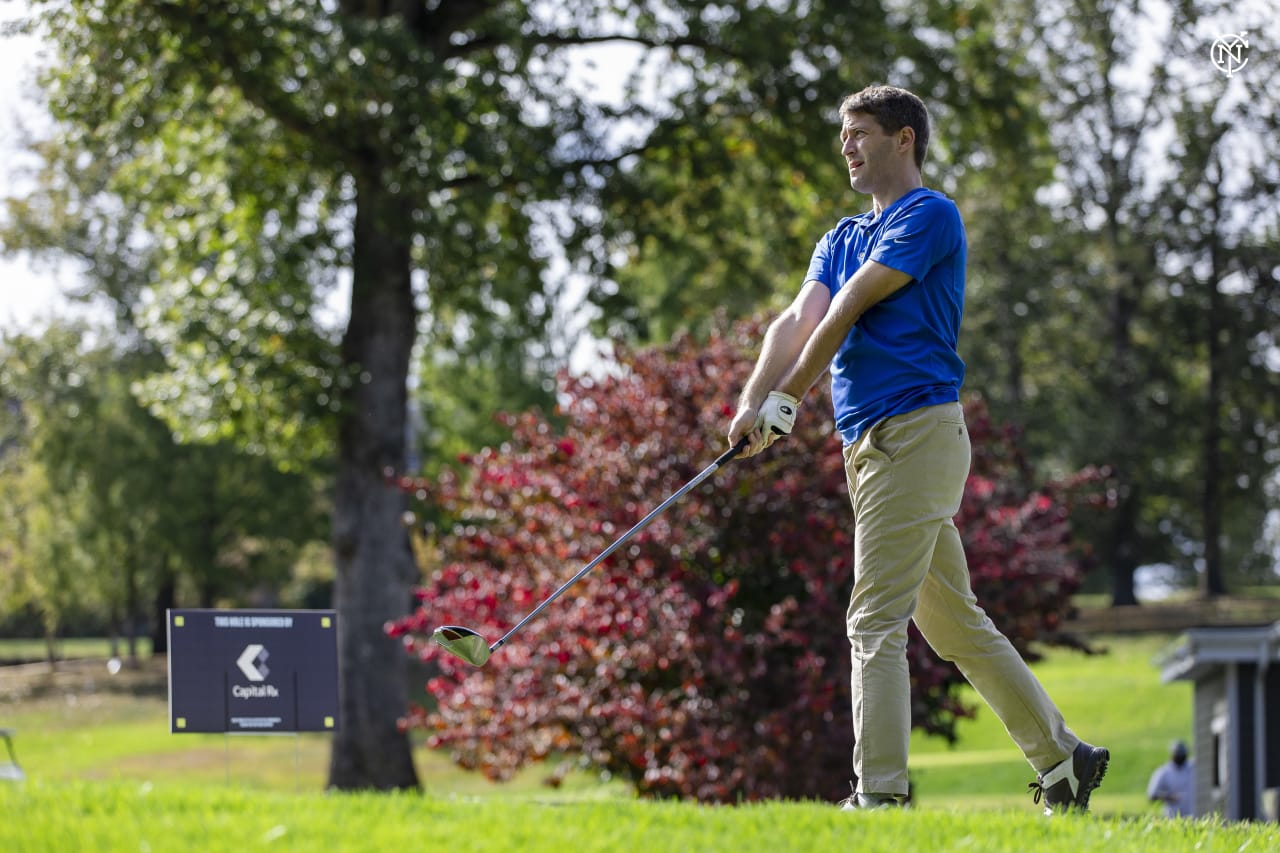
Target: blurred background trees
<point x="1154" y="341"/>
<point x="111" y="515"/>
<point x="337" y="238"/>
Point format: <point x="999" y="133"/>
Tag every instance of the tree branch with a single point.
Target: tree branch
<point x="477" y="179"/>
<point x="260" y="89"/>
<point x="576" y="39"/>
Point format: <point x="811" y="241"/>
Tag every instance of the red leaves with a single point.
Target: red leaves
<point x="708" y="658"/>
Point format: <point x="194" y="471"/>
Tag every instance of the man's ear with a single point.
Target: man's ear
<point x="907" y="139"/>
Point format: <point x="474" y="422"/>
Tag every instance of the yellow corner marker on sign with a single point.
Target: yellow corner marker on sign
<point x="178" y="621"/>
<point x="181" y="722"/>
<point x="324" y="622"/>
<point x="328" y="722"/>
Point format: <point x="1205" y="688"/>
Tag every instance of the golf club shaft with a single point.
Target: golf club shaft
<point x="641" y="525"/>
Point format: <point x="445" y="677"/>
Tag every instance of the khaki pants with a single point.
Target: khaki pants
<point x="906" y="477"/>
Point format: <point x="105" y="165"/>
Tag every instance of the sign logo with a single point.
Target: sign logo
<point x="253" y="662"/>
<point x="1228" y="53"/>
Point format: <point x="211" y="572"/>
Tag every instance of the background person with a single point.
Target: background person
<point x="1173" y="783"/>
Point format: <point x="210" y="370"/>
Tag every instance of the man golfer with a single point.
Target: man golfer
<point x="881" y="306"/>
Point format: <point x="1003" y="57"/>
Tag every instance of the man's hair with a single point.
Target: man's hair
<point x="893" y="109"/>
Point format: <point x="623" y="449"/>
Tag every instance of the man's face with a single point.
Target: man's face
<point x="868" y="151"/>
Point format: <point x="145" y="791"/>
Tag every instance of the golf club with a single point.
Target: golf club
<point x="472" y="647"/>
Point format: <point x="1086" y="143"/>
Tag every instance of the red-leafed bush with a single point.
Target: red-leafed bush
<point x="707" y="658"/>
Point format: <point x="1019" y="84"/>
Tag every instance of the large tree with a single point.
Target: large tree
<point x="74" y="485"/>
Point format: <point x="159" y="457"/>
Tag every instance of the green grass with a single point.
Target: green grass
<point x="98" y="726"/>
<point x="93" y="725"/>
<point x="180" y="817"/>
<point x="105" y="774"/>
<point x="122" y="737"/>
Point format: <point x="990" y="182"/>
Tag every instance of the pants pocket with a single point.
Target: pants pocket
<point x="897" y="436"/>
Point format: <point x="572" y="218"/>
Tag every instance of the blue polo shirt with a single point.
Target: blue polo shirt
<point x="901" y="354"/>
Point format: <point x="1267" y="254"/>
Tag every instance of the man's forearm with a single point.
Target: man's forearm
<point x="813" y="359"/>
<point x="872" y="283"/>
<point x="783" y="342"/>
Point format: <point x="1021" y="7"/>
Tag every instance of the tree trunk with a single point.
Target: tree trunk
<point x="375" y="566"/>
<point x="1211" y="579"/>
<point x="115" y="630"/>
<point x="1122" y="541"/>
<point x="1122" y="556"/>
<point x="131" y="608"/>
<point x="166" y="599"/>
<point x="51" y="649"/>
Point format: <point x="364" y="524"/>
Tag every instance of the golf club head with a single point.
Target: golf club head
<point x="462" y="642"/>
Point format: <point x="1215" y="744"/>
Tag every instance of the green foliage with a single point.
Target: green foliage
<point x="41" y="562"/>
<point x="1123" y="316"/>
<point x="718" y="213"/>
<point x="462" y="388"/>
<point x="230" y="252"/>
<point x="47" y="385"/>
<point x="722" y="209"/>
<point x="232" y="150"/>
<point x="111" y="502"/>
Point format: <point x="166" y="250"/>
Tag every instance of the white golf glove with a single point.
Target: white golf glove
<point x="777" y="416"/>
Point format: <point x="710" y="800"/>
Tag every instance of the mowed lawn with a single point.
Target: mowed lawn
<point x="100" y="726"/>
<point x="104" y="774"/>
<point x="103" y="817"/>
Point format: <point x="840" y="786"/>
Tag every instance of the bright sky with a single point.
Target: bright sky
<point x="27" y="291"/>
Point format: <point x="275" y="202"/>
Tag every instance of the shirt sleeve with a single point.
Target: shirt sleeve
<point x="920" y="236"/>
<point x="820" y="268"/>
<point x="1156" y="783"/>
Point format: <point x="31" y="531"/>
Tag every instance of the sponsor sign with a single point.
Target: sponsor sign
<point x="253" y="671"/>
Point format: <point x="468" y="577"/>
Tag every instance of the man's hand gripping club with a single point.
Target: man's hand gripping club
<point x="774" y="419"/>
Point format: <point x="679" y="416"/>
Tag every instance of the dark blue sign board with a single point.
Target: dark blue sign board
<point x="253" y="671"/>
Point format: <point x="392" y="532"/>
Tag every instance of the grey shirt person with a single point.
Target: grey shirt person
<point x="1173" y="783"/>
